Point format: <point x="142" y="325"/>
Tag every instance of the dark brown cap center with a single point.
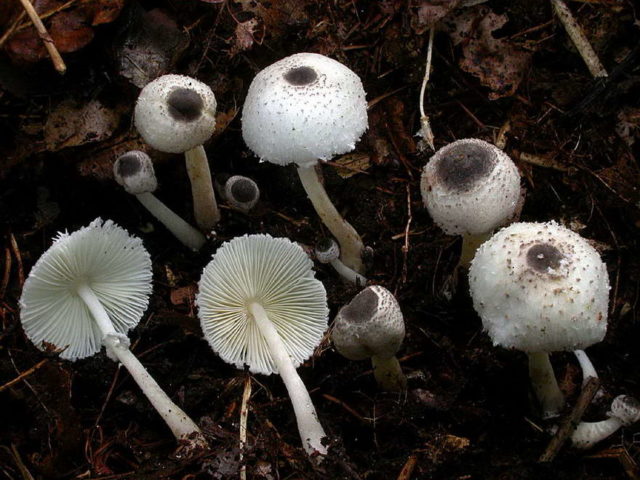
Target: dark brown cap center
<point x="463" y="166"/>
<point x="542" y="256"/>
<point x="300" y="76"/>
<point x="129" y="164"/>
<point x="362" y="308"/>
<point x="243" y="190"/>
<point x="185" y="105"/>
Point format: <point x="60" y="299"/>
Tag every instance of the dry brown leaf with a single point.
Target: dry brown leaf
<point x="352" y="163"/>
<point x="430" y="12"/>
<point x="243" y="38"/>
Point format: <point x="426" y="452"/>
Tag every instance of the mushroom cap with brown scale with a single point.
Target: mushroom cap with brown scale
<point x="470" y="187"/>
<point x="539" y="287"/>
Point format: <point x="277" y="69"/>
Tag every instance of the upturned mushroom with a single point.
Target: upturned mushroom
<point x="625" y="411"/>
<point x="88" y="290"/>
<point x="176" y="114"/>
<point x="470" y="188"/>
<point x="540" y="288"/>
<point x="260" y="305"/>
<point x="241" y="192"/>
<point x="372" y="326"/>
<point x="134" y="171"/>
<point x="328" y="251"/>
<point x="302" y="109"/>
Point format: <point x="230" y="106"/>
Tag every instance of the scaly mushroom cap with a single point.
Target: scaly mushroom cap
<point x="327" y="250"/>
<point x="134" y="171"/>
<point x="175" y="113"/>
<point x="371" y="324"/>
<point x="111" y="262"/>
<point x="540" y="287"/>
<point x="304" y="108"/>
<point x="277" y="274"/>
<point x="626" y="409"/>
<point x="470" y="187"/>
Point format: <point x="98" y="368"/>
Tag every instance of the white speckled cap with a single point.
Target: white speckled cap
<point x="111" y="262"/>
<point x="304" y="108"/>
<point x="470" y="187"/>
<point x="371" y="324"/>
<point x="241" y="192"/>
<point x="134" y="171"/>
<point x="539" y="287"/>
<point x="277" y="274"/>
<point x="327" y="250"/>
<point x="175" y="113"/>
<point x="626" y="409"/>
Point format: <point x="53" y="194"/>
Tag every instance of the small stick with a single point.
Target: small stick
<point x="579" y="39"/>
<point x="425" y="126"/>
<point x="408" y="468"/>
<point x="57" y="60"/>
<point x="23" y="375"/>
<point x="571" y="421"/>
<point x="244" y="413"/>
<point x="16" y="253"/>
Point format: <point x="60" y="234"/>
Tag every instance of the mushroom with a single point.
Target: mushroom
<point x="470" y="188"/>
<point x="134" y="171"/>
<point x="241" y="192"/>
<point x="305" y="108"/>
<point x="175" y="114"/>
<point x="372" y="326"/>
<point x="625" y="411"/>
<point x="260" y="305"/>
<point x="540" y="288"/>
<point x="89" y="289"/>
<point x="328" y="251"/>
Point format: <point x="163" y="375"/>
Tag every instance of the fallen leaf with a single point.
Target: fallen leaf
<point x="350" y="164"/>
<point x="430" y="12"/>
<point x="243" y="38"/>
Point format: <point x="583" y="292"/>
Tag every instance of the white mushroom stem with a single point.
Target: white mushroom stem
<point x="388" y="373"/>
<point x="205" y="208"/>
<point x="470" y="244"/>
<point x="587" y="434"/>
<point x="545" y="384"/>
<point x="311" y="432"/>
<point x="587" y="367"/>
<point x="184" y="232"/>
<point x="180" y="424"/>
<point x="347" y="273"/>
<point x="351" y="245"/>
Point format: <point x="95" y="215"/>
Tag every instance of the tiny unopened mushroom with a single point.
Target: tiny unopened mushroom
<point x="241" y="192"/>
<point x="88" y="290"/>
<point x="328" y="251"/>
<point x="134" y="171"/>
<point x="625" y="411"/>
<point x="540" y="288"/>
<point x="372" y="326"/>
<point x="260" y="305"/>
<point x="305" y="108"/>
<point x="176" y="114"/>
<point x="470" y="188"/>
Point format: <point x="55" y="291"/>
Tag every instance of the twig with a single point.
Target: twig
<point x="12" y="29"/>
<point x="23" y="375"/>
<point x="16" y="253"/>
<point x="7" y="272"/>
<point x="244" y="413"/>
<point x="408" y="468"/>
<point x="425" y="127"/>
<point x="57" y="60"/>
<point x="579" y="39"/>
<point x="571" y="421"/>
<point x="405" y="247"/>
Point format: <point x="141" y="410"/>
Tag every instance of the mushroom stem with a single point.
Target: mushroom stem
<point x="545" y="384"/>
<point x="311" y="432"/>
<point x="205" y="208"/>
<point x="351" y="245"/>
<point x="587" y="367"/>
<point x="347" y="273"/>
<point x="180" y="424"/>
<point x="388" y="373"/>
<point x="470" y="243"/>
<point x="184" y="232"/>
<point x="587" y="434"/>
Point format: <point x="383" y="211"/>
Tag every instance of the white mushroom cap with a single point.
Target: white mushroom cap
<point x="540" y="287"/>
<point x="175" y="113"/>
<point x="304" y="108"/>
<point x="470" y="187"/>
<point x="241" y="192"/>
<point x="370" y="325"/>
<point x="327" y="250"/>
<point x="277" y="274"/>
<point x="134" y="171"/>
<point x="626" y="409"/>
<point x="111" y="262"/>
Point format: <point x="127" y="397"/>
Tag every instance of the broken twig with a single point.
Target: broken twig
<point x="56" y="58"/>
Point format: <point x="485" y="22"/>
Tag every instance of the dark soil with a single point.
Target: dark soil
<point x="468" y="412"/>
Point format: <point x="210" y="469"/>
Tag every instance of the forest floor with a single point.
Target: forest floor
<point x="503" y="71"/>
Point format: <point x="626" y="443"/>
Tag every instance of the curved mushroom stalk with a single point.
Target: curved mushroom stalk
<point x="205" y="207"/>
<point x="388" y="373"/>
<point x="311" y="432"/>
<point x="625" y="411"/>
<point x="588" y="370"/>
<point x="545" y="384"/>
<point x="351" y="245"/>
<point x="328" y="251"/>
